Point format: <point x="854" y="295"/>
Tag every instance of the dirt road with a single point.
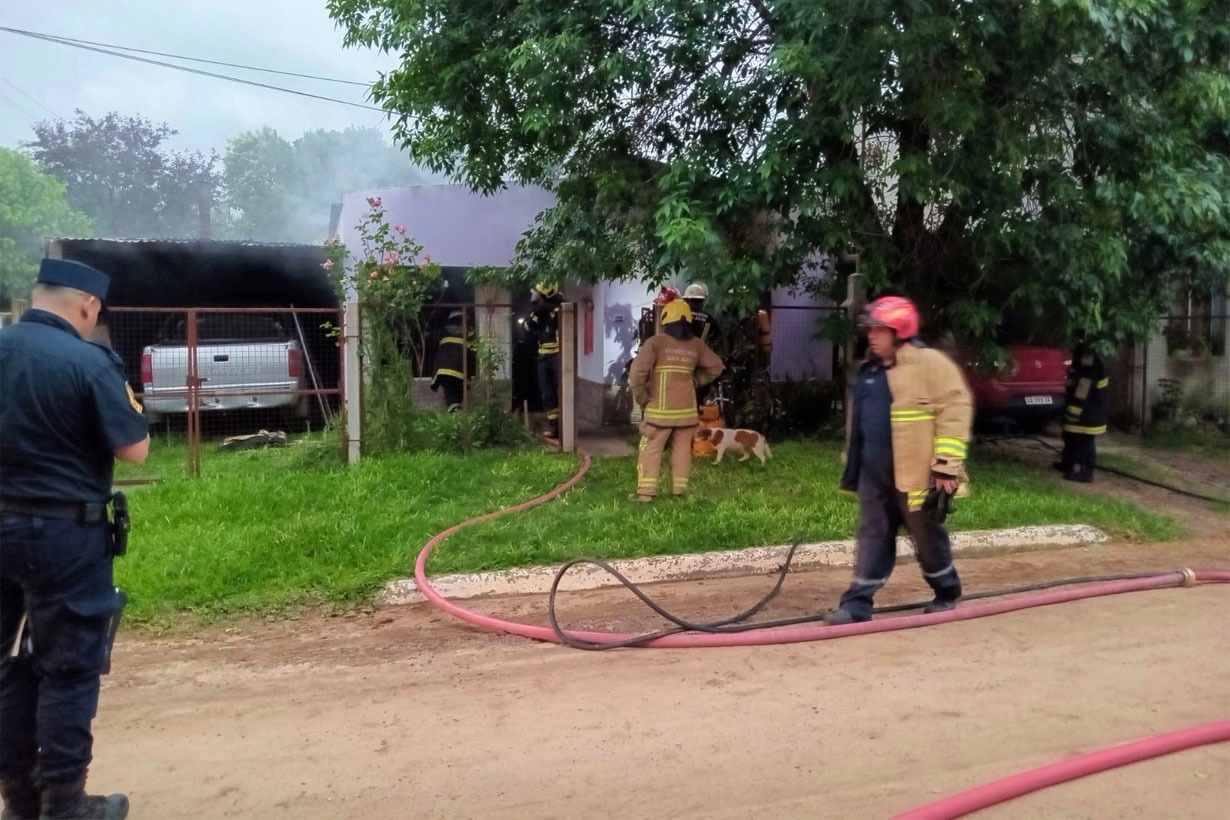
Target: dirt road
<point x="405" y="713"/>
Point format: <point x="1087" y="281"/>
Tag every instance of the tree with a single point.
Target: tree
<point x="260" y="183"/>
<point x="33" y="205"/>
<point x="277" y="190"/>
<point x="1067" y="159"/>
<point x="119" y="173"/>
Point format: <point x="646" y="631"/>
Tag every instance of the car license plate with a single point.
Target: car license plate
<point x="1039" y="400"/>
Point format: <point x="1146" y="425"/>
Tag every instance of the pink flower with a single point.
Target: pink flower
<point x="401" y="229"/>
<point x="422" y="265"/>
<point x="427" y="257"/>
<point x="393" y="258"/>
<point x="327" y="264"/>
<point x="374" y="274"/>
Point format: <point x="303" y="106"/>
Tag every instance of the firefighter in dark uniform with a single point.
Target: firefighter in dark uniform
<point x="1086" y="410"/>
<point x="67" y="414"/>
<point x="456" y="362"/>
<point x="905" y="455"/>
<point x="543" y="323"/>
<point x="704" y="327"/>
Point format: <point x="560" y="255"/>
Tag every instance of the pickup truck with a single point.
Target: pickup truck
<point x="243" y="362"/>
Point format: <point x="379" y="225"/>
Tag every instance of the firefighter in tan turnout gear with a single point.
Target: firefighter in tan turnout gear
<point x="663" y="379"/>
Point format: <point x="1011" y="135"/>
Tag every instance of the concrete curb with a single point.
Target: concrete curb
<point x="753" y="561"/>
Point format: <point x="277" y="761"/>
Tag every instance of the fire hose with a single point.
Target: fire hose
<point x="732" y="631"/>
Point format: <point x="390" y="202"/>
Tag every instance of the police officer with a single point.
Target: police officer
<point x="67" y="414"/>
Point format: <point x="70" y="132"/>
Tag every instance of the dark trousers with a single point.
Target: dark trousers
<point x="1080" y="451"/>
<point x="454" y="391"/>
<point x="548" y="386"/>
<point x="59" y="572"/>
<point x="882" y="512"/>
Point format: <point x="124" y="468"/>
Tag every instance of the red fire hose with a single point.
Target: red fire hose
<point x="780" y="635"/>
<point x="954" y="806"/>
<point x="966" y="802"/>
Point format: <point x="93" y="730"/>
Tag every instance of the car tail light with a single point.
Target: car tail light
<point x="147" y="368"/>
<point x="294" y="362"/>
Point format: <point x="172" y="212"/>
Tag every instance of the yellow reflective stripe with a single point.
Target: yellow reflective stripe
<point x="1074" y="410"/>
<point x="663" y="413"/>
<point x="950" y="446"/>
<point x="1088" y="431"/>
<point x="549" y="347"/>
<point x="452" y="340"/>
<point x="661" y="390"/>
<point x="647" y="482"/>
<point x="911" y="415"/>
<point x="674" y="368"/>
<point x="448" y="371"/>
<point x="915" y="499"/>
<point x="1103" y="383"/>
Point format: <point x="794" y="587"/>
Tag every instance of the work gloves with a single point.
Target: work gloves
<point x="938" y="504"/>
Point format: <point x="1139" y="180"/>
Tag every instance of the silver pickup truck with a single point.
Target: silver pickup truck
<point x="243" y="362"/>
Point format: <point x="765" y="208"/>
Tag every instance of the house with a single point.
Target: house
<point x="461" y="229"/>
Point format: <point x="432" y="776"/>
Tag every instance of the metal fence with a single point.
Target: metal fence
<point x="1181" y="378"/>
<point x="209" y="375"/>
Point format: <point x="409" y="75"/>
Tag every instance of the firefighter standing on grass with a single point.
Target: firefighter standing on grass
<point x="1086" y="409"/>
<point x="704" y="326"/>
<point x="543" y="323"/>
<point x="905" y="455"/>
<point x="663" y="379"/>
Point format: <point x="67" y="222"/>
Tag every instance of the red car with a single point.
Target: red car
<point x="1026" y="394"/>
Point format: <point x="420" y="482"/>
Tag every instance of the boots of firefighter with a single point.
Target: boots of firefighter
<point x="21" y="799"/>
<point x="1080" y="472"/>
<point x="69" y="800"/>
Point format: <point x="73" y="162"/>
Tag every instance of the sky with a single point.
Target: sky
<point x="41" y="80"/>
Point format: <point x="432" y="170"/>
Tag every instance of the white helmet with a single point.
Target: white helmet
<point x="696" y="290"/>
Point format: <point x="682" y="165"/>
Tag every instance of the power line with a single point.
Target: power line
<point x="196" y="59"/>
<point x="13" y="86"/>
<point x="240" y="80"/>
<point x="18" y="106"/>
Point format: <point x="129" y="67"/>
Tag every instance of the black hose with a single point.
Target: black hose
<point x="1113" y="471"/>
<point x="733" y="623"/>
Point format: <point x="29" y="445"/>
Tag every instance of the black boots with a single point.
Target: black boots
<point x="69" y="800"/>
<point x="940" y="605"/>
<point x="21" y="799"/>
<point x="1080" y="472"/>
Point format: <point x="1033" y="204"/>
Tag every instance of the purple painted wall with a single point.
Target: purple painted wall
<point x="458" y="227"/>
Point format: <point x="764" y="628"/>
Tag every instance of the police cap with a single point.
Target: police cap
<point x="68" y="274"/>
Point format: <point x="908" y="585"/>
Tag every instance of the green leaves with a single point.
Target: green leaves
<point x="1064" y="160"/>
<point x="33" y="206"/>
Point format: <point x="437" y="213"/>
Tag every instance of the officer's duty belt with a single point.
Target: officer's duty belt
<point x="81" y="511"/>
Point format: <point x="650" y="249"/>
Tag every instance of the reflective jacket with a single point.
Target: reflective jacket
<point x="931" y="417"/>
<point x="454" y="357"/>
<point x="1087" y="398"/>
<point x="665" y="375"/>
<point x="544" y="324"/>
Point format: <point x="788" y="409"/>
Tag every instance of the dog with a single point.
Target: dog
<point x="749" y="442"/>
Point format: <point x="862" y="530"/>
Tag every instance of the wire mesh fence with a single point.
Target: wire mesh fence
<point x="224" y="378"/>
<point x="1181" y="378"/>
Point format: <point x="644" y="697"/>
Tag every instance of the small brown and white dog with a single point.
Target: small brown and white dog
<point x="749" y="442"/>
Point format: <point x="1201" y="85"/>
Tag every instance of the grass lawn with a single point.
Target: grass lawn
<point x="259" y="532"/>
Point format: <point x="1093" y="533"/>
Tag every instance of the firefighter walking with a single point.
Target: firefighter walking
<point x="456" y="362"/>
<point x="663" y="379"/>
<point x="905" y="453"/>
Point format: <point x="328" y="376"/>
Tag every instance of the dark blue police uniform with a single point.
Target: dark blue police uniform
<point x="65" y="407"/>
